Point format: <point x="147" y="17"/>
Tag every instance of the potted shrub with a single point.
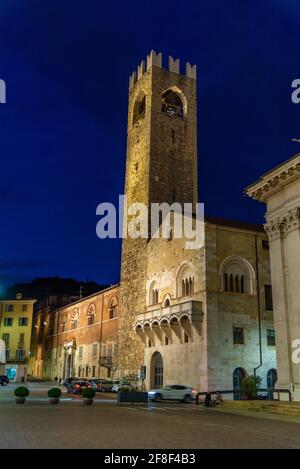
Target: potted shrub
<point x="21" y="393"/>
<point x="129" y="392"/>
<point x="88" y="395"/>
<point x="54" y="395"/>
<point x="250" y="385"/>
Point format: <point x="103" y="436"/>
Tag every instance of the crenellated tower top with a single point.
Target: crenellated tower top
<point x="156" y="59"/>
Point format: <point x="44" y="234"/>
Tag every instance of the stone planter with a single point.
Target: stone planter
<point x="54" y="400"/>
<point x="20" y="400"/>
<point x="133" y="397"/>
<point x="88" y="401"/>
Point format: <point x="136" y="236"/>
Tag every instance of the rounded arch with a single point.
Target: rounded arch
<point x="138" y="327"/>
<point x="154" y="323"/>
<point x="174" y="320"/>
<point x="153" y="293"/>
<point x="185" y="279"/>
<point x="139" y="107"/>
<point x="113" y="307"/>
<point x="184" y="317"/>
<point x="236" y="275"/>
<point x="90" y="313"/>
<point x="91" y="309"/>
<point x="167" y="300"/>
<point x="75" y="315"/>
<point x="164" y="322"/>
<point x="146" y="325"/>
<point x="174" y="102"/>
<point x="157" y="370"/>
<point x="237" y="377"/>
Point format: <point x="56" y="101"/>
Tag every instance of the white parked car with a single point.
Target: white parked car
<point x="118" y="384"/>
<point x="174" y="392"/>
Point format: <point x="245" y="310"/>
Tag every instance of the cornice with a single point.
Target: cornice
<point x="275" y="180"/>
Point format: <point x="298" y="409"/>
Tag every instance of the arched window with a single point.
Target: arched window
<point x="185" y="281"/>
<point x="238" y="375"/>
<point x="74" y="318"/>
<point x="139" y="109"/>
<point x="153" y="293"/>
<point x="91" y="311"/>
<point x="171" y="103"/>
<point x="237" y="276"/>
<point x="167" y="302"/>
<point x="113" y="308"/>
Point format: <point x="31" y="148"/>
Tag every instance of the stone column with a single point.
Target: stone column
<point x="280" y="302"/>
<point x="280" y="190"/>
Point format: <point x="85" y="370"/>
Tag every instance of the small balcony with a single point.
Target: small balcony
<point x="190" y="308"/>
<point x="177" y="322"/>
<point x="106" y="361"/>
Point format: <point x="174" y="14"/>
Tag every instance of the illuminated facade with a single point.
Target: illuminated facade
<point x="15" y="330"/>
<point x="79" y="339"/>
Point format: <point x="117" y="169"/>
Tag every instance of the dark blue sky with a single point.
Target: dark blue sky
<point x="63" y="130"/>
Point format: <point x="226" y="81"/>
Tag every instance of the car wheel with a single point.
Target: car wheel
<point x="103" y="390"/>
<point x="158" y="397"/>
<point x="187" y="398"/>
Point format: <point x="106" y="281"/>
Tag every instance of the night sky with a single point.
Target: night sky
<point x="63" y="130"/>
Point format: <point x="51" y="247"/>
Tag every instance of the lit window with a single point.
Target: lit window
<point x="238" y="335"/>
<point x="271" y="338"/>
<point x="8" y="322"/>
<point x="23" y="321"/>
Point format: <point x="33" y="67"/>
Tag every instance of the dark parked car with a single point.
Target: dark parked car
<point x="76" y="387"/>
<point x="4" y="380"/>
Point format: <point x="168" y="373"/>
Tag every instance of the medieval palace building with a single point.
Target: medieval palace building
<point x="200" y="317"/>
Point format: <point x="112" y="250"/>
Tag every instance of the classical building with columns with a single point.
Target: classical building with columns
<point x="280" y="190"/>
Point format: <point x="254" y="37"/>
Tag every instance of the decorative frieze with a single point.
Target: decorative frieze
<point x="284" y="224"/>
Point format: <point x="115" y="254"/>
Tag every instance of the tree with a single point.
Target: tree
<point x="250" y="384"/>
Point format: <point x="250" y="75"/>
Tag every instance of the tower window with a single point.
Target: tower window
<point x="139" y="109"/>
<point x="171" y="103"/>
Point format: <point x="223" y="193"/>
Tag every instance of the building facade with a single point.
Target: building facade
<point x="81" y="338"/>
<point x="280" y="190"/>
<point x="201" y="316"/>
<point x="15" y="330"/>
<point x="42" y="326"/>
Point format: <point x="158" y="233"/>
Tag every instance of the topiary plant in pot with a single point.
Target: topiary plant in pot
<point x="21" y="393"/>
<point x="88" y="395"/>
<point x="54" y="394"/>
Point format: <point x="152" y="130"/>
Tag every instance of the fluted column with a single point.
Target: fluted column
<point x="284" y="237"/>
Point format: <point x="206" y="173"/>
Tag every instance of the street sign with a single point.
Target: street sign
<point x="143" y="373"/>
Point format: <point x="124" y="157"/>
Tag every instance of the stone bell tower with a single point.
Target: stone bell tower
<point x="161" y="166"/>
